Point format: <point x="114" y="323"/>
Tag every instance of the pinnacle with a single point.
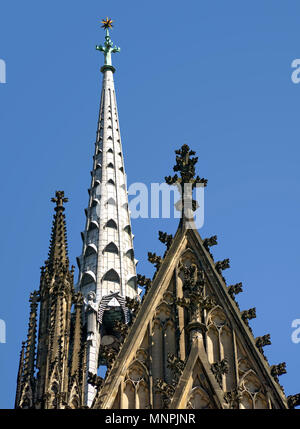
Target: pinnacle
<point x="58" y="251"/>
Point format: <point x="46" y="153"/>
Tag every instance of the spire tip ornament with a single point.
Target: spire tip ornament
<point x="107" y="23"/>
<point x="108" y="47"/>
<point x="59" y="199"/>
<point x="185" y="165"/>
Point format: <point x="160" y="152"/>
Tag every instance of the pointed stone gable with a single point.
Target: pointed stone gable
<point x="221" y="365"/>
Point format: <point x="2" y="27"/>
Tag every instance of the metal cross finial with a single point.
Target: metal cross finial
<point x="59" y="199"/>
<point x="108" y="47"/>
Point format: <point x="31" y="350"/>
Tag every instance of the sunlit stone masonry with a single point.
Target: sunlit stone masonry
<point x="182" y="343"/>
<point x="107" y="263"/>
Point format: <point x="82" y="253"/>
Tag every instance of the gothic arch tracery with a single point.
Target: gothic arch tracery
<point x="198" y="399"/>
<point x="253" y="394"/>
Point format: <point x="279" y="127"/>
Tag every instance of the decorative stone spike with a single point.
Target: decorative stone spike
<point x="222" y="265"/>
<point x="209" y="242"/>
<point x="176" y="365"/>
<point x="154" y="259"/>
<point x="171" y="180"/>
<point x="133" y="305"/>
<point x="235" y="289"/>
<point x="193" y="283"/>
<point x="166" y="390"/>
<point x="196" y="302"/>
<point x="31" y="336"/>
<point x="165" y="238"/>
<point x="248" y="314"/>
<point x="263" y="341"/>
<point x="108" y="354"/>
<point x="121" y="328"/>
<point x="218" y="369"/>
<point x="189" y="277"/>
<point x="144" y="282"/>
<point x="183" y="302"/>
<point x="95" y="380"/>
<point x="293" y="400"/>
<point x="277" y="370"/>
<point x="20" y="375"/>
<point x="185" y="165"/>
<point x="232" y="398"/>
<point x="58" y="251"/>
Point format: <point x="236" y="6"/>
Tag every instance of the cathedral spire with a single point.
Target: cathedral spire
<point x="107" y="264"/>
<point x="20" y="374"/>
<point x="31" y="336"/>
<point x="47" y="377"/>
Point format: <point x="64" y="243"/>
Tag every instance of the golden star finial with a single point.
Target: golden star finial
<point x="107" y="23"/>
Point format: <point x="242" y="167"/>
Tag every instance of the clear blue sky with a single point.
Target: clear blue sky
<point x="215" y="75"/>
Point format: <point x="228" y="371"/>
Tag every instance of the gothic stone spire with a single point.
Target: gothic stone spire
<point x="107" y="264"/>
<point x="58" y="252"/>
<point x="47" y="377"/>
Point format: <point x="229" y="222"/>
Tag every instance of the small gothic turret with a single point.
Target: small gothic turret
<point x="45" y="379"/>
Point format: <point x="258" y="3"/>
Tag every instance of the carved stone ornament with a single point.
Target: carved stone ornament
<point x="294" y="400"/>
<point x="218" y="369"/>
<point x="166" y="390"/>
<point x="176" y="365"/>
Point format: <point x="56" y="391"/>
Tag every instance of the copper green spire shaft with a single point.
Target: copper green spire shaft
<point x="108" y="48"/>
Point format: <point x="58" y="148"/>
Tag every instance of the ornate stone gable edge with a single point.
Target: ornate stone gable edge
<point x="219" y="287"/>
